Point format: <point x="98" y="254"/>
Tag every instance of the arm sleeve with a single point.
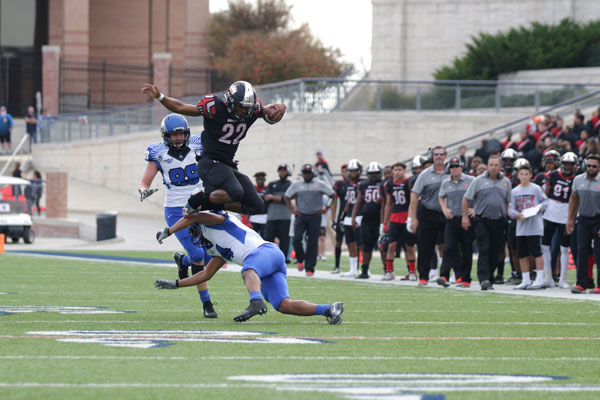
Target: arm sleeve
<point x="150" y="153"/>
<point x="291" y="191"/>
<point x="470" y="193"/>
<point x="443" y="192"/>
<point x="208" y="106"/>
<point x="325" y="188"/>
<point x="418" y="186"/>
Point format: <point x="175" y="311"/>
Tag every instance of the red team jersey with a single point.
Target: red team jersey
<point x="222" y="131"/>
<point x="400" y="192"/>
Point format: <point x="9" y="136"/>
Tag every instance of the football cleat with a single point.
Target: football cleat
<point x="310" y="273"/>
<point x="209" y="311"/>
<point x="522" y="286"/>
<point x="300" y="266"/>
<point x="465" y="284"/>
<point x="334" y="313"/>
<point x="536" y="286"/>
<point x="499" y="280"/>
<point x="335" y="271"/>
<point x="486" y="285"/>
<point x="578" y="289"/>
<point x="564" y="285"/>
<point x="442" y="281"/>
<point x="256" y="307"/>
<point x="182" y="271"/>
<point x="363" y="275"/>
<point x="422" y="282"/>
<point x="389" y="276"/>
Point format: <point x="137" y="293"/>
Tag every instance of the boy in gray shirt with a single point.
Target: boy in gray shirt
<point x="529" y="228"/>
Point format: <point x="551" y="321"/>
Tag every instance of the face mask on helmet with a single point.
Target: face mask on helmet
<point x="568" y="162"/>
<point x="241" y="100"/>
<point x="175" y="125"/>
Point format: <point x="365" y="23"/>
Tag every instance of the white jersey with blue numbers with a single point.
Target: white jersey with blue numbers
<point x="231" y="239"/>
<point x="180" y="176"/>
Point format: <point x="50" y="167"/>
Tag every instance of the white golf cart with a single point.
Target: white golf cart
<point x="15" y="223"/>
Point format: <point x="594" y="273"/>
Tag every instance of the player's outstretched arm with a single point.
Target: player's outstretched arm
<point x="170" y="103"/>
<point x="273" y="113"/>
<point x="149" y="174"/>
<point x="213" y="266"/>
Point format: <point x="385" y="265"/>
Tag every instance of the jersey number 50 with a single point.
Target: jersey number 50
<point x="184" y="176"/>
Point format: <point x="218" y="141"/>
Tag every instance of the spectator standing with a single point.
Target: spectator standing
<point x="475" y="163"/>
<point x="529" y="228"/>
<point x="308" y="193"/>
<point x="259" y="221"/>
<point x="278" y="214"/>
<point x="458" y="242"/>
<point x="6" y="126"/>
<point x="37" y="188"/>
<point x="425" y="212"/>
<point x="490" y="193"/>
<point x="31" y="122"/>
<point x="17" y="173"/>
<point x="466" y="160"/>
<point x="322" y="162"/>
<point x="585" y="200"/>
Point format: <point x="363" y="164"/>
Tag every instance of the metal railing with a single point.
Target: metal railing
<point x="562" y="109"/>
<point x="324" y="95"/>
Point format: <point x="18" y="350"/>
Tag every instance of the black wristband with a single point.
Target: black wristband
<point x="177" y="283"/>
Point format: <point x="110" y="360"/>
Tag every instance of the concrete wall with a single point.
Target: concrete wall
<point x="412" y="38"/>
<point x="118" y="162"/>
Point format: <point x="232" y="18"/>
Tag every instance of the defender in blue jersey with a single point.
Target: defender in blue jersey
<point x="175" y="158"/>
<point x="263" y="271"/>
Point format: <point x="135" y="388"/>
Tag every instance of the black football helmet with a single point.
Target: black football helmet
<point x="552" y="156"/>
<point x="175" y="123"/>
<point x="241" y="100"/>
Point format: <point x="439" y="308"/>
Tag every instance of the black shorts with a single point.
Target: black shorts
<point x="529" y="246"/>
<point x="549" y="229"/>
<point x="322" y="231"/>
<point x="4" y="137"/>
<point x="352" y="235"/>
<point x="369" y="232"/>
<point x="397" y="232"/>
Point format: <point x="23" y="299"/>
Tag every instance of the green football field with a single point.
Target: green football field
<point x="80" y="329"/>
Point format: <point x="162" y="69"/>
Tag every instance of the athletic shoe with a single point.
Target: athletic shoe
<point x="578" y="289"/>
<point x="563" y="285"/>
<point x="182" y="271"/>
<point x="536" y="286"/>
<point x="499" y="280"/>
<point x="465" y="284"/>
<point x="595" y="291"/>
<point x="459" y="280"/>
<point x="405" y="278"/>
<point x="256" y="307"/>
<point x="310" y="273"/>
<point x="389" y="276"/>
<point x="334" y="313"/>
<point x="433" y="275"/>
<point x="412" y="277"/>
<point x="350" y="274"/>
<point x="513" y="280"/>
<point x="422" y="282"/>
<point x="300" y="266"/>
<point x="453" y="278"/>
<point x="486" y="285"/>
<point x="363" y="275"/>
<point x="442" y="281"/>
<point x="589" y="284"/>
<point x="523" y="286"/>
<point x="549" y="283"/>
<point x="335" y="271"/>
<point x="209" y="311"/>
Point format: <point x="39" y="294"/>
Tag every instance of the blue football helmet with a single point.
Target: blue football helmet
<point x="175" y="123"/>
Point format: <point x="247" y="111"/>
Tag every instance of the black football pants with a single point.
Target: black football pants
<point x="217" y="175"/>
<point x="279" y="229"/>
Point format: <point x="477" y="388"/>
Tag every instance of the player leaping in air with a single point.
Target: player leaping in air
<point x="227" y="118"/>
<point x="263" y="268"/>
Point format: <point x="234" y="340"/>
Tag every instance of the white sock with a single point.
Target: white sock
<point x="539" y="276"/>
<point x="564" y="263"/>
<point x="353" y="264"/>
<point x="547" y="257"/>
<point x="526" y="278"/>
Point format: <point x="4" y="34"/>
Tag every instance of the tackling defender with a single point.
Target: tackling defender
<point x="175" y="158"/>
<point x="263" y="268"/>
<point x="227" y="118"/>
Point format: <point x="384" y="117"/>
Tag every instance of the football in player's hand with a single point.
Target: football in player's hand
<point x="274" y="113"/>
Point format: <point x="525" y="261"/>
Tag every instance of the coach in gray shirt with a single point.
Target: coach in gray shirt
<point x="458" y="243"/>
<point x="585" y="199"/>
<point x="308" y="193"/>
<point x="425" y="212"/>
<point x="490" y="193"/>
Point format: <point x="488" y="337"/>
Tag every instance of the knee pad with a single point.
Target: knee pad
<point x="197" y="268"/>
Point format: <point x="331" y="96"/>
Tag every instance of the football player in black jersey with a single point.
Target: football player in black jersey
<point x="337" y="215"/>
<point x="368" y="205"/>
<point x="227" y="118"/>
<point x="352" y="235"/>
<point x="550" y="162"/>
<point x="558" y="189"/>
<point x="397" y="193"/>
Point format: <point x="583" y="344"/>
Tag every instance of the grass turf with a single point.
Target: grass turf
<point x="386" y="329"/>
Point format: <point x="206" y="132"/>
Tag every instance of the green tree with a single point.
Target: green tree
<point x="565" y="45"/>
<point x="255" y="43"/>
